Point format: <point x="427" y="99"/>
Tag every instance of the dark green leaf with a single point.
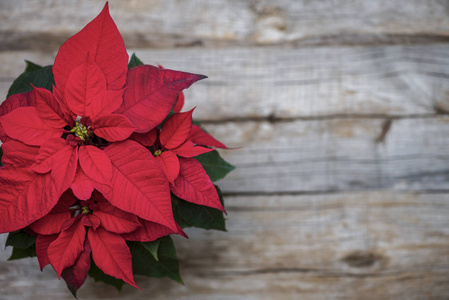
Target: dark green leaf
<point x="192" y="215"/>
<point x="98" y="275"/>
<point x="31" y="66"/>
<point x="215" y="166"/>
<point x="152" y="247"/>
<point x="18" y="253"/>
<point x="39" y="78"/>
<point x="20" y="239"/>
<point x="145" y="264"/>
<point x="134" y="61"/>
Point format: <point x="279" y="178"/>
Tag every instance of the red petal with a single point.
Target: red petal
<point x="91" y="220"/>
<point x="189" y="150"/>
<point x="151" y="231"/>
<point x="76" y="275"/>
<point x="138" y="184"/>
<point x="49" y="109"/>
<point x="25" y="125"/>
<point x="151" y="93"/>
<point x="86" y="84"/>
<point x="113" y="127"/>
<point x="95" y="164"/>
<point x="45" y="159"/>
<point x="107" y="104"/>
<point x="10" y="104"/>
<point x="25" y="197"/>
<point x="199" y="137"/>
<point x="179" y="103"/>
<point x="18" y="154"/>
<point x="64" y="167"/>
<point x="115" y="220"/>
<point x="111" y="254"/>
<point x="194" y="185"/>
<point x="146" y="138"/>
<point x="82" y="186"/>
<point x="169" y="164"/>
<point x="65" y="250"/>
<point x="176" y="130"/>
<point x="42" y="243"/>
<point x="101" y="39"/>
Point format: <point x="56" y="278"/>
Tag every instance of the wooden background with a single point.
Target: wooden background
<point x="341" y="109"/>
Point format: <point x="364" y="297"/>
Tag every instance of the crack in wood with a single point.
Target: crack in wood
<point x="386" y="125"/>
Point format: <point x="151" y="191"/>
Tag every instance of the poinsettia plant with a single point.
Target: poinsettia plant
<point x="100" y="166"/>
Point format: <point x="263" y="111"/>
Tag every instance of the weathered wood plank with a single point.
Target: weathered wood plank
<point x="377" y="245"/>
<point x="337" y="154"/>
<point x="158" y="23"/>
<point x="297" y="83"/>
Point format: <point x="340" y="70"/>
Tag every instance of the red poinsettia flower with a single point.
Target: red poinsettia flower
<point x="75" y="137"/>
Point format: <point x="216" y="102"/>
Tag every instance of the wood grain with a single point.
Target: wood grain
<point x="376" y="245"/>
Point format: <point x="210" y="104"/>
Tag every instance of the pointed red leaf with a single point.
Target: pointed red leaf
<point x="150" y="231"/>
<point x="151" y="93"/>
<point x="42" y="243"/>
<point x="49" y="109"/>
<point x="10" y="104"/>
<point x="18" y="154"/>
<point x="194" y="185"/>
<point x="105" y="105"/>
<point x="76" y="275"/>
<point x="189" y="150"/>
<point x="91" y="221"/>
<point x="82" y="186"/>
<point x="101" y="39"/>
<point x="199" y="137"/>
<point x="45" y="159"/>
<point x="176" y="130"/>
<point x="111" y="254"/>
<point x="25" y="197"/>
<point x="145" y="138"/>
<point x="52" y="223"/>
<point x="86" y="84"/>
<point x="179" y="103"/>
<point x="169" y="164"/>
<point x="66" y="249"/>
<point x="69" y="116"/>
<point x="138" y="184"/>
<point x="113" y="128"/>
<point x="64" y="166"/>
<point x="25" y="125"/>
<point x="115" y="220"/>
<point x="96" y="164"/>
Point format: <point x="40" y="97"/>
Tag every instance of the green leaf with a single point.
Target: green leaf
<point x="31" y="66"/>
<point x="145" y="264"/>
<point x="134" y="61"/>
<point x="193" y="215"/>
<point x="98" y="275"/>
<point x="18" y="253"/>
<point x="42" y="77"/>
<point x="20" y="239"/>
<point x="152" y="247"/>
<point x="215" y="166"/>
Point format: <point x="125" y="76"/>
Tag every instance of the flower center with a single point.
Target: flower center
<point x="80" y="131"/>
<point x="85" y="210"/>
<point x="157" y="153"/>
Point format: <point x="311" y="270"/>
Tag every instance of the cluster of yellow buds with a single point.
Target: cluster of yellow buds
<point x="85" y="210"/>
<point x="157" y="153"/>
<point x="80" y="130"/>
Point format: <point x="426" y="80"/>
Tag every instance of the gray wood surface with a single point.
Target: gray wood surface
<point x="340" y="110"/>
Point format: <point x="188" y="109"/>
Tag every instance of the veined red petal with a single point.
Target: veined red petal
<point x="199" y="137"/>
<point x="194" y="185"/>
<point x="179" y="103"/>
<point x="49" y="109"/>
<point x="91" y="221"/>
<point x="169" y="164"/>
<point x="106" y="105"/>
<point x="95" y="164"/>
<point x="64" y="167"/>
<point x="176" y="130"/>
<point x="113" y="127"/>
<point x="111" y="254"/>
<point x="82" y="186"/>
<point x="10" y="104"/>
<point x="138" y="184"/>
<point x="103" y="41"/>
<point x="115" y="220"/>
<point x="150" y="231"/>
<point x="45" y="159"/>
<point x="151" y="93"/>
<point x="76" y="275"/>
<point x="25" y="196"/>
<point x="86" y="84"/>
<point x="145" y="138"/>
<point x="18" y="154"/>
<point x="25" y="125"/>
<point x="42" y="243"/>
<point x="189" y="150"/>
<point x="66" y="249"/>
